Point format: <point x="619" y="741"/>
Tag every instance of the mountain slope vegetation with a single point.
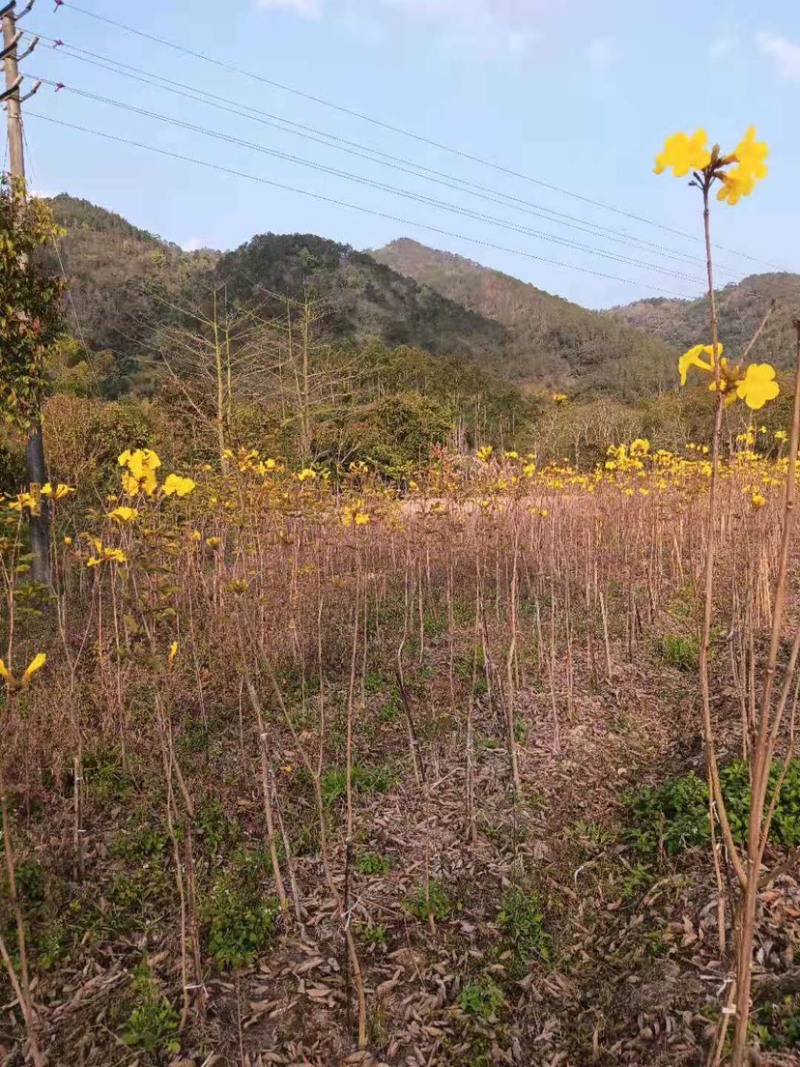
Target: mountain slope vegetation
<point x="741" y="307"/>
<point x="552" y="342"/>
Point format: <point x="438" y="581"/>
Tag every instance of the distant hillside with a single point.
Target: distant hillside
<point x="741" y="308"/>
<point x="120" y="277"/>
<point x="552" y="342"/>
<point x="362" y="297"/>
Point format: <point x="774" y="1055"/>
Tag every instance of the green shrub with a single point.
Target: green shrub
<point x="674" y="815"/>
<point x="365" y="780"/>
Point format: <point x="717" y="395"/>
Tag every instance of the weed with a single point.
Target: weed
<point x="674" y="815"/>
<point x="778" y="1025"/>
<point x="365" y="780"/>
<point x="240" y="925"/>
<point x="153" y="1024"/>
<point x="681" y="652"/>
<point x="483" y="999"/>
<point x="374" y="935"/>
<point x="521" y="919"/>
<point x="432" y="900"/>
<point x="373" y="863"/>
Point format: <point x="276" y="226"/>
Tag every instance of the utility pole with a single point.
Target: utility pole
<point x="34" y="452"/>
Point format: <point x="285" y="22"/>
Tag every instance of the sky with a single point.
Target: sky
<point x="552" y="111"/>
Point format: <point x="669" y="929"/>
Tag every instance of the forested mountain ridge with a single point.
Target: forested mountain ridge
<point x="552" y="342"/>
<point x="126" y="284"/>
<point x="741" y="307"/>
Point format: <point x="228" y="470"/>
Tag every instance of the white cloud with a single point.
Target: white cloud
<point x="602" y="53"/>
<point x="784" y="52"/>
<point x="194" y="244"/>
<point x="307" y="8"/>
<point x="512" y="24"/>
<point x="723" y="46"/>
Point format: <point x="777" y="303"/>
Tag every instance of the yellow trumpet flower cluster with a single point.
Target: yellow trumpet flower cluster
<point x="755" y="385"/>
<point x="738" y="171"/>
<point x="35" y="665"/>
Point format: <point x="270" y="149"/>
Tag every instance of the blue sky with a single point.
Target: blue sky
<point x="577" y="94"/>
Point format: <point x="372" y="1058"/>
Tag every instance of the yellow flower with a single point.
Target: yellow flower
<point x="67" y="541"/>
<point x="559" y="398"/>
<point x="781" y="435"/>
<point x="106" y="555"/>
<point x="124" y="514"/>
<point x="684" y="153"/>
<point x="5" y="673"/>
<point x="306" y="475"/>
<point x="175" y="485"/>
<point x="141" y="471"/>
<point x="484" y="453"/>
<point x="22" y="501"/>
<point x="354" y="515"/>
<point x="736" y="183"/>
<point x="758" y="385"/>
<point x="173" y="651"/>
<point x="213" y="542"/>
<point x="758" y="500"/>
<point x="692" y="359"/>
<point x="512" y="455"/>
<point x="195" y="536"/>
<point x="35" y="665"/>
<point x="751" y="154"/>
<point x="59" y="492"/>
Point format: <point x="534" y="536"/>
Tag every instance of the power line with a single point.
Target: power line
<point x="361" y="151"/>
<point x="344" y="203"/>
<point x="363" y="117"/>
<point x="371" y="183"/>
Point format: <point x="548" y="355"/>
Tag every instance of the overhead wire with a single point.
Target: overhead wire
<point x="354" y="148"/>
<point x="383" y="187"/>
<point x="420" y="138"/>
<point x="321" y="197"/>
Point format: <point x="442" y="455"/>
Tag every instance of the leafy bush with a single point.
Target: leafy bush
<point x="674" y="815"/>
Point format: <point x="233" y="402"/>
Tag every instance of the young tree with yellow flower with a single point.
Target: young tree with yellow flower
<point x="735" y="175"/>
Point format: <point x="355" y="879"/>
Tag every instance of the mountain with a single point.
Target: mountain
<point x="551" y="342"/>
<point x="360" y="297"/>
<point x="740" y="306"/>
<point x="122" y="280"/>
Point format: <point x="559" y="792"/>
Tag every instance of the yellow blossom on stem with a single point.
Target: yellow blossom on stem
<point x="683" y="153"/>
<point x="140" y="475"/>
<point x="758" y="385"/>
<point x="758" y="500"/>
<point x="692" y="358"/>
<point x="175" y="485"/>
<point x="35" y="665"/>
<point x="59" y="492"/>
<point x="5" y="673"/>
<point x="124" y="514"/>
<point x="173" y="652"/>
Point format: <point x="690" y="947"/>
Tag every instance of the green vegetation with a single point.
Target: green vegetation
<point x="674" y="816"/>
<point x="680" y="651"/>
<point x="153" y="1024"/>
<point x="521" y="919"/>
<point x="240" y="924"/>
<point x="483" y="999"/>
